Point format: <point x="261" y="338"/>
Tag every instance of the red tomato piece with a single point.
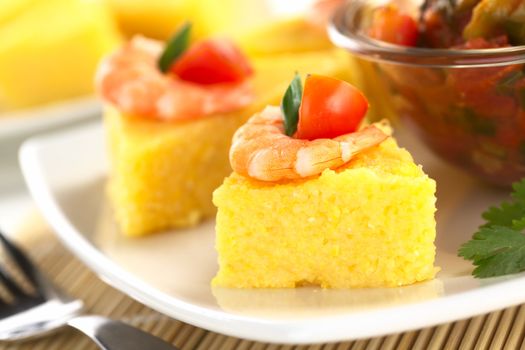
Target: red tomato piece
<point x="212" y="61"/>
<point x="330" y="107"/>
<point x="390" y="25"/>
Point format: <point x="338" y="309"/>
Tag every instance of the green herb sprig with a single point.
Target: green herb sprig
<point x="175" y="47"/>
<point x="290" y="105"/>
<point x="498" y="248"/>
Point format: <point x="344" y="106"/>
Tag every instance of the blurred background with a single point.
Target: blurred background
<point x="49" y="49"/>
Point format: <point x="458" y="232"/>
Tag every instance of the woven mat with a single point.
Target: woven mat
<point x="499" y="330"/>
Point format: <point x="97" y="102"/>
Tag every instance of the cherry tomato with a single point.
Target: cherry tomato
<point x="329" y="108"/>
<point x="212" y="61"/>
<point x="390" y="25"/>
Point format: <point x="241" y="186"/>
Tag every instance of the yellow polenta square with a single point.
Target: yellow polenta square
<point x="368" y="224"/>
<point x="163" y="173"/>
<point x="50" y="49"/>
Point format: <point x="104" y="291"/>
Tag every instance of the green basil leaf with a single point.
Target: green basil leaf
<point x="290" y="105"/>
<point x="175" y="47"/>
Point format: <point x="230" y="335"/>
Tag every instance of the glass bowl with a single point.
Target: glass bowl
<point x="467" y="105"/>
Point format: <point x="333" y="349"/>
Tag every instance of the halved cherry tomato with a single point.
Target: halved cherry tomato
<point x="329" y="108"/>
<point x="212" y="61"/>
<point x="390" y="25"/>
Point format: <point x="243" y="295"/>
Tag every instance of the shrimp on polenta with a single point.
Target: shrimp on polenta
<point x="326" y="134"/>
<point x="171" y="110"/>
<point x="131" y="80"/>
<point x="261" y="150"/>
<point x="340" y="205"/>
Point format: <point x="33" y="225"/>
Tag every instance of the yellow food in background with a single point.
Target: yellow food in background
<point x="154" y="18"/>
<point x="10" y="9"/>
<point x="52" y="56"/>
<point x="254" y="24"/>
<point x="50" y="50"/>
<point x="287" y="35"/>
<point x="368" y="224"/>
<point x="163" y="174"/>
<point x="260" y="29"/>
<point x="232" y="17"/>
<point x="160" y="18"/>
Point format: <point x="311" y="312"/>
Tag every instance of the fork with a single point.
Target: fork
<point x="26" y="315"/>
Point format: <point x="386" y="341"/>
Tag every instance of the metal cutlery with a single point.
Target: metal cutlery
<point x="27" y="314"/>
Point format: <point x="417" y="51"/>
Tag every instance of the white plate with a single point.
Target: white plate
<point x="47" y="116"/>
<point x="171" y="272"/>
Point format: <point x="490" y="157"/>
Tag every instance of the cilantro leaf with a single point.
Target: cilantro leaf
<point x="498" y="248"/>
<point x="519" y="224"/>
<point x="518" y="193"/>
<point x="504" y="215"/>
<point x="175" y="47"/>
<point x="495" y="251"/>
<point x="508" y="212"/>
<point x="290" y="105"/>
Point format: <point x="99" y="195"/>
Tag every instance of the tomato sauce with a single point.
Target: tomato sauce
<point x="474" y="117"/>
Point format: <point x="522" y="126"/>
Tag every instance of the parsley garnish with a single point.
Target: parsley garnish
<point x="290" y="105"/>
<point x="498" y="248"/>
<point x="175" y="47"/>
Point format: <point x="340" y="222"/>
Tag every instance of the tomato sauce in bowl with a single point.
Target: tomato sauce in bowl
<point x="465" y="93"/>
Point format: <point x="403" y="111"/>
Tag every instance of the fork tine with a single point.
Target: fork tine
<point x="11" y="285"/>
<point x="23" y="262"/>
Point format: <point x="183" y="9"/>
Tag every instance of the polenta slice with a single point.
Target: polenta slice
<point x="368" y="224"/>
<point x="322" y="199"/>
<point x="50" y="49"/>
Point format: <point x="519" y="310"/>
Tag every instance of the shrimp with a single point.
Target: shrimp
<point x="261" y="150"/>
<point x="130" y="79"/>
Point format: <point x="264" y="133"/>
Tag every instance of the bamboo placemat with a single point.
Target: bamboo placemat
<point x="504" y="329"/>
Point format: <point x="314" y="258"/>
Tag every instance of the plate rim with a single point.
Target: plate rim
<point x="45" y="116"/>
<point x="352" y="326"/>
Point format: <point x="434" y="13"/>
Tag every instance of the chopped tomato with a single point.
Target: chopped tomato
<point x="212" y="61"/>
<point x="390" y="25"/>
<point x="329" y="108"/>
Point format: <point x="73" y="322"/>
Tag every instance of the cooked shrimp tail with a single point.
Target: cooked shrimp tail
<point x="262" y="151"/>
